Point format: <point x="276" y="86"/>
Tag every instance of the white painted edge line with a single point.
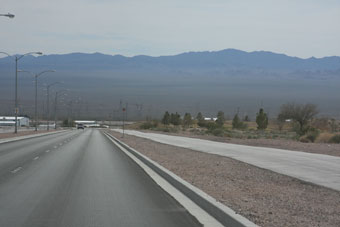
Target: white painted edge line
<point x="201" y="215"/>
<point x="13" y="139"/>
<point x="228" y="211"/>
<point x="36" y="158"/>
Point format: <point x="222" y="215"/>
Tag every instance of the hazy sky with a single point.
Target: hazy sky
<point x="302" y="28"/>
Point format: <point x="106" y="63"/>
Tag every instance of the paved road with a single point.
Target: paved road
<point x="78" y="178"/>
<point x="316" y="168"/>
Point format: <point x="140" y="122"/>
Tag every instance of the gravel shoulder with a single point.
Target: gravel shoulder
<point x="317" y="148"/>
<point x="264" y="197"/>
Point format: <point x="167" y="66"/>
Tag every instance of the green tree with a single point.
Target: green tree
<point x="200" y="120"/>
<point x="166" y="118"/>
<point x="187" y="120"/>
<point x="175" y="119"/>
<point x="237" y="123"/>
<point x="261" y="120"/>
<point x="199" y="117"/>
<point x="220" y="119"/>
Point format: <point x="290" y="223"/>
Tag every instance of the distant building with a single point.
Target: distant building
<point x="210" y="118"/>
<point x="10" y="121"/>
<point x="87" y="124"/>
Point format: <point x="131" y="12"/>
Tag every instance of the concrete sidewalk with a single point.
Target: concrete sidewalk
<point x="319" y="169"/>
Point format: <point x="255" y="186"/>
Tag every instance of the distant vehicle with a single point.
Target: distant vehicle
<point x="80" y="126"/>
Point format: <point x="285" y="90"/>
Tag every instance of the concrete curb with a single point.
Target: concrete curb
<point x="13" y="139"/>
<point x="219" y="211"/>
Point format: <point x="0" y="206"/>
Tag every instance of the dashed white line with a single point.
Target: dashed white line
<point x="55" y="146"/>
<point x="16" y="170"/>
<point x="47" y="151"/>
<point x="36" y="158"/>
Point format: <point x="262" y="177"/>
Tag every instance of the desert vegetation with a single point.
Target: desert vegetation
<point x="297" y="122"/>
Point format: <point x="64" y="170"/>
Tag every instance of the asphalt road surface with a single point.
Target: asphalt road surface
<point x="79" y="178"/>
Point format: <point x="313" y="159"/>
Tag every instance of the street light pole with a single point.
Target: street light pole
<point x="36" y="94"/>
<point x="55" y="106"/>
<point x="16" y="95"/>
<point x="16" y="83"/>
<point x="48" y="104"/>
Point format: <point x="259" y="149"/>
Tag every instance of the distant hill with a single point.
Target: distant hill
<point x="187" y="82"/>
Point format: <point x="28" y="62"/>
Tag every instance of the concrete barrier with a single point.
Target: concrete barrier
<point x="219" y="211"/>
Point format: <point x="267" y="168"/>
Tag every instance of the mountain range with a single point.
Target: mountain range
<point x="189" y="82"/>
<point x="229" y="59"/>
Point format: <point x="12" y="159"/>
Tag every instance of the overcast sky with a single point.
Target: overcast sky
<point x="302" y="28"/>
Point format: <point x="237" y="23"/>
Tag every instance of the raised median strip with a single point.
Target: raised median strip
<point x="220" y="212"/>
<point x="17" y="138"/>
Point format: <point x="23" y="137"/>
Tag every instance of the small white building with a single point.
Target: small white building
<point x="210" y="118"/>
<point x="10" y="121"/>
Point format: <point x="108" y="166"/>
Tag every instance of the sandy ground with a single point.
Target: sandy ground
<point x="23" y="133"/>
<point x="264" y="197"/>
<point x="318" y="148"/>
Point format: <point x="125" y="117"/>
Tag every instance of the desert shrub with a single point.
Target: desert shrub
<point x="324" y="137"/>
<point x="211" y="125"/>
<point x="149" y="125"/>
<point x="197" y="131"/>
<point x="333" y="125"/>
<point x="335" y="139"/>
<point x="321" y="123"/>
<point x="312" y="134"/>
<point x="304" y="139"/>
<point x="202" y="123"/>
<point x="218" y="132"/>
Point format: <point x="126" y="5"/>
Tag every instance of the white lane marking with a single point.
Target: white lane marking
<point x="36" y="158"/>
<point x="16" y="170"/>
<point x="55" y="147"/>
<point x="47" y="151"/>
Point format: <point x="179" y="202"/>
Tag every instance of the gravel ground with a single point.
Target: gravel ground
<point x="264" y="197"/>
<point x="318" y="148"/>
<point x="22" y="133"/>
